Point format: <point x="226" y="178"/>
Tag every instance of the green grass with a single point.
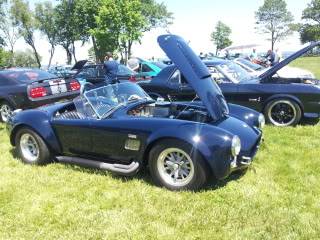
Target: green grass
<point x="309" y="63"/>
<point x="277" y="198"/>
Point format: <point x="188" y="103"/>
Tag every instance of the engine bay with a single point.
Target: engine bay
<point x="170" y="110"/>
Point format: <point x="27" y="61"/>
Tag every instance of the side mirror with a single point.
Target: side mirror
<point x="160" y="99"/>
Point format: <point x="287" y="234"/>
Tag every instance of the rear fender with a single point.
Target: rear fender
<point x="213" y="143"/>
<point x="38" y="121"/>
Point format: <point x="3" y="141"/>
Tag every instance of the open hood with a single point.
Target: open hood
<point x="285" y="62"/>
<point x="196" y="73"/>
<point x="79" y="65"/>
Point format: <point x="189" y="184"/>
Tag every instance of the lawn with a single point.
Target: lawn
<point x="278" y="198"/>
<point x="309" y="63"/>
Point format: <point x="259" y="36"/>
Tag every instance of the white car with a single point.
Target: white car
<point x="286" y="72"/>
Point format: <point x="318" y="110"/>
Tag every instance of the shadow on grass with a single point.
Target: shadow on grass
<point x="144" y="175"/>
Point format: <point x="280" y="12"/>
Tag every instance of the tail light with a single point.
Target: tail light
<point x="38" y="92"/>
<point x="75" y="85"/>
<point x="132" y="78"/>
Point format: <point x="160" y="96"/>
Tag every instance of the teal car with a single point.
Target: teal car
<point x="147" y="69"/>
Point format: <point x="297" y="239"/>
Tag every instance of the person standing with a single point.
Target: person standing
<point x="253" y="55"/>
<point x="111" y="67"/>
<point x="271" y="56"/>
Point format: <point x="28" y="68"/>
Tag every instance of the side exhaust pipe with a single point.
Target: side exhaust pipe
<point x="121" y="169"/>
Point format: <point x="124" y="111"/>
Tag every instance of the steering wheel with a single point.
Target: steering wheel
<point x="84" y="87"/>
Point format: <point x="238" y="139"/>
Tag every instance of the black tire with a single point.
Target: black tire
<point x="5" y="105"/>
<point x="197" y="177"/>
<point x="283" y="112"/>
<point x="43" y="155"/>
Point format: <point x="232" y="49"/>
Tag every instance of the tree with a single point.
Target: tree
<point x="310" y="31"/>
<point x="26" y="23"/>
<point x="25" y="59"/>
<point x="221" y="36"/>
<point x="274" y="19"/>
<point x="5" y="58"/>
<point x="123" y="22"/>
<point x="68" y="30"/>
<point x="8" y="31"/>
<point x="85" y="18"/>
<point x="45" y="14"/>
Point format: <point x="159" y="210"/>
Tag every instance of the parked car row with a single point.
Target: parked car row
<point x="183" y="124"/>
<point x="284" y="101"/>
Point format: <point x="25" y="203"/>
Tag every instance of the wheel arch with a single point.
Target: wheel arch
<point x="214" y="144"/>
<point x="8" y="100"/>
<point x="22" y="126"/>
<point x="166" y="138"/>
<point x="38" y="122"/>
<point x="283" y="96"/>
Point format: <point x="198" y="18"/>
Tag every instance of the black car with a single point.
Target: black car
<point x="96" y="73"/>
<point x="23" y="88"/>
<point x="283" y="101"/>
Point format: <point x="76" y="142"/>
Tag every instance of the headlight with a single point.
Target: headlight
<point x="262" y="121"/>
<point x="235" y="146"/>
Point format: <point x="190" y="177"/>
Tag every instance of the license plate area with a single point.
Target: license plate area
<point x="58" y="86"/>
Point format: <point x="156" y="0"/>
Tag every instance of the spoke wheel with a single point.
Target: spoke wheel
<point x="29" y="147"/>
<point x="282" y="113"/>
<point x="5" y="112"/>
<point x="175" y="167"/>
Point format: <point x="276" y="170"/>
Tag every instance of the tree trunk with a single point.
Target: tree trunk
<point x="272" y="40"/>
<point x="69" y="55"/>
<point x="74" y="52"/>
<point x="51" y="55"/>
<point x="36" y="55"/>
<point x="95" y="48"/>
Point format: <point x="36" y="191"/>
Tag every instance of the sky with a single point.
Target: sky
<point x="194" y="20"/>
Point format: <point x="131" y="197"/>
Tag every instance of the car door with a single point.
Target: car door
<point x="253" y="95"/>
<point x="74" y="136"/>
<point x="114" y="140"/>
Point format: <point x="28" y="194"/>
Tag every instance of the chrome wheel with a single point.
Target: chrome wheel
<point x="282" y="113"/>
<point x="175" y="167"/>
<point x="6" y="112"/>
<point x="29" y="147"/>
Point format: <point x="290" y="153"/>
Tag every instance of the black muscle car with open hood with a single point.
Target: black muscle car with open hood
<point x="284" y="101"/>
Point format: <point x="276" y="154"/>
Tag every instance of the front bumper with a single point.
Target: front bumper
<point x="244" y="159"/>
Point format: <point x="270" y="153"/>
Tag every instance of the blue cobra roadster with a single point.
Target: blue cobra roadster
<point x="119" y="128"/>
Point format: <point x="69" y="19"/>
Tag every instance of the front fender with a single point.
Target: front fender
<point x="213" y="143"/>
<point x="38" y="121"/>
<point x="247" y="115"/>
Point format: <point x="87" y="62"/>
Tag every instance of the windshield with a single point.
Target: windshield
<point x="159" y="64"/>
<point x="251" y="65"/>
<point x="106" y="99"/>
<point x="124" y="71"/>
<point x="234" y="72"/>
